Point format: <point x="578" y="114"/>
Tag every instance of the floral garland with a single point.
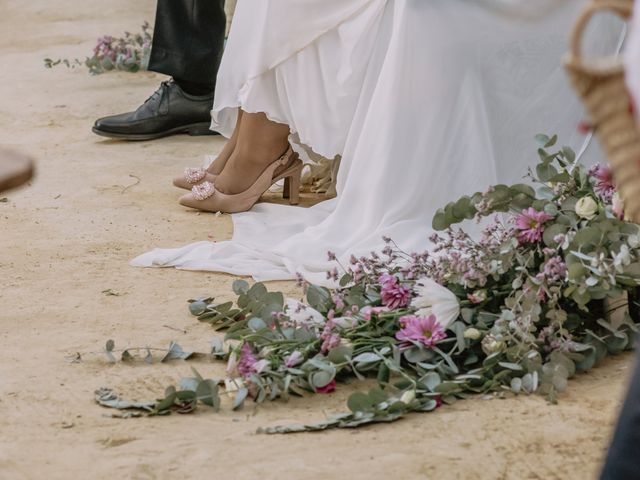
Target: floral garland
<point x="521" y="309"/>
<point x="130" y="53"/>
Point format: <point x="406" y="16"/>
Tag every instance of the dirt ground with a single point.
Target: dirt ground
<point x="67" y="238"/>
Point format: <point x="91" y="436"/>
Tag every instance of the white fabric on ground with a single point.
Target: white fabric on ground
<point x="426" y="100"/>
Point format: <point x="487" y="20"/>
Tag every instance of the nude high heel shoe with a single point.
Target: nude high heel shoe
<point x="204" y="196"/>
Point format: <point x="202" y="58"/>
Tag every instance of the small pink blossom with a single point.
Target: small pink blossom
<point x="330" y="340"/>
<point x="617" y="206"/>
<point x="328" y="388"/>
<point x="425" y="330"/>
<point x="368" y="311"/>
<point x="294" y="359"/>
<point x="394" y="294"/>
<point x="553" y="271"/>
<point x="530" y="223"/>
<point x="248" y="363"/>
<point x="604" y="181"/>
<point x="477" y="297"/>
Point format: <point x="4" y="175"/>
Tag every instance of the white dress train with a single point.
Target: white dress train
<point x="426" y="100"/>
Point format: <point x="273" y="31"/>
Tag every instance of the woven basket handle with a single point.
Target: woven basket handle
<point x="624" y="8"/>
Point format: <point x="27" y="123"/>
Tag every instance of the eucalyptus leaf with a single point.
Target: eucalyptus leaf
<point x="241" y="396"/>
<point x="240" y="287"/>
<point x="175" y="352"/>
<point x="321" y="379"/>
<point x="207" y="393"/>
<point x="431" y="380"/>
<point x="359" y="402"/>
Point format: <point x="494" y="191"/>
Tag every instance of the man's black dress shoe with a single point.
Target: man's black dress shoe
<point x="168" y="111"/>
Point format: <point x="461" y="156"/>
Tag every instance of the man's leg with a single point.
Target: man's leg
<point x="623" y="462"/>
<point x="187" y="44"/>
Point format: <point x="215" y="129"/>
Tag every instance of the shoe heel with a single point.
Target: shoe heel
<point x="291" y="189"/>
<point x="286" y="191"/>
<point x="199" y="129"/>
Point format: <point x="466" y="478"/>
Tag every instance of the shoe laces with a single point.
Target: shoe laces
<point x="159" y="92"/>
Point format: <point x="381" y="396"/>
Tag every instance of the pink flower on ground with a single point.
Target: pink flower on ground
<point x="425" y="330"/>
<point x="394" y="294"/>
<point x="294" y="359"/>
<point x="368" y="311"/>
<point x="328" y="388"/>
<point x="248" y="363"/>
<point x="530" y="224"/>
<point x="604" y="181"/>
<point x="329" y="339"/>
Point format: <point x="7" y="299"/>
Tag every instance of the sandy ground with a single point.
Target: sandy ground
<point x="67" y="238"/>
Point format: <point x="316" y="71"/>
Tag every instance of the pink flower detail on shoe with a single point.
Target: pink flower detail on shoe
<point x="203" y="190"/>
<point x="194" y="175"/>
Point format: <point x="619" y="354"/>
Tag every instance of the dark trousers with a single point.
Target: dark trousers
<point x="188" y="40"/>
<point x="623" y="460"/>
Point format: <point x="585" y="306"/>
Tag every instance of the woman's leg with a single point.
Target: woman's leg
<point x="221" y="160"/>
<point x="259" y="143"/>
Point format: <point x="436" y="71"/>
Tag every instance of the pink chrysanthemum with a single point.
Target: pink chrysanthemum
<point x="425" y="330"/>
<point x="394" y="294"/>
<point x="530" y="224"/>
<point x="604" y="181"/>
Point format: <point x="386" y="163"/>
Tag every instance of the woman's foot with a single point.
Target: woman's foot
<point x="206" y="196"/>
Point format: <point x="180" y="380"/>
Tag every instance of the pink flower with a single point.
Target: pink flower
<point x="553" y="271"/>
<point x="328" y="388"/>
<point x="368" y="311"/>
<point x="617" y="206"/>
<point x="425" y="330"/>
<point x="248" y="363"/>
<point x="530" y="223"/>
<point x="329" y="339"/>
<point x="604" y="181"/>
<point x="294" y="359"/>
<point x="394" y="295"/>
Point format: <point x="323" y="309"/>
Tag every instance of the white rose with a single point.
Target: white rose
<point x="587" y="208"/>
<point x="408" y="397"/>
<point x="472" y="333"/>
<point x="491" y="344"/>
<point x="434" y="299"/>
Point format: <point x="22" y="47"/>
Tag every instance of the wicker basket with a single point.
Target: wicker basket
<point x="601" y="85"/>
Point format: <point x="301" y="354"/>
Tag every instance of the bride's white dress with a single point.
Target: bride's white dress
<point x="426" y="100"/>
